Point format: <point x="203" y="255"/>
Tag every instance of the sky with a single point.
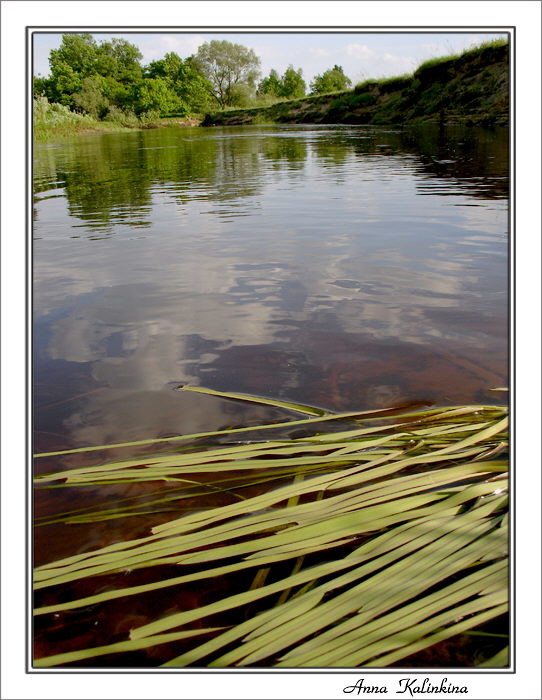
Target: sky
<point x="361" y="55"/>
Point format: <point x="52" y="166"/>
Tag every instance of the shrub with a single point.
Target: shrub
<point x="118" y="116"/>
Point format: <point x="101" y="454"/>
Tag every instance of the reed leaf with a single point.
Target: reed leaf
<point x="297" y="407"/>
<point x="389" y="535"/>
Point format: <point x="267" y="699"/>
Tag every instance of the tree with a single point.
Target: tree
<point x="78" y="58"/>
<point x="97" y="78"/>
<point x="92" y="99"/>
<point x="230" y="69"/>
<point x="190" y="86"/>
<point x="292" y="83"/>
<point x="167" y="67"/>
<point x="78" y="51"/>
<point x="156" y="95"/>
<point x="40" y="86"/>
<point x="270" y="85"/>
<point x="119" y="59"/>
<point x="332" y="80"/>
<point x="64" y="82"/>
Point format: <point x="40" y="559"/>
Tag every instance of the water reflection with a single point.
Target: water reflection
<point x="344" y="266"/>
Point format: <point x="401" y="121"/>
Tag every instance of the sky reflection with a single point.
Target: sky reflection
<point x="296" y="263"/>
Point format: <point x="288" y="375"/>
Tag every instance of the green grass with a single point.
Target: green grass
<point x="51" y="120"/>
<point x="468" y="53"/>
<point x="373" y="537"/>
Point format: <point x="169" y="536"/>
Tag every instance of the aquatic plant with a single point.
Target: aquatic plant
<point x="364" y="540"/>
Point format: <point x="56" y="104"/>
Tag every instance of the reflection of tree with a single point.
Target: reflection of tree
<point x="109" y="179"/>
<point x="332" y="149"/>
<point x="276" y="150"/>
<point x="473" y="160"/>
<point x="237" y="171"/>
<point x="104" y="179"/>
<point x="476" y="160"/>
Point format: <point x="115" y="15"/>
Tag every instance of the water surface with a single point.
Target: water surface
<point x="343" y="266"/>
<point x="346" y="267"/>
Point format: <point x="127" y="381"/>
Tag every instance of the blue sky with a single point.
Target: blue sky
<point x="362" y="55"/>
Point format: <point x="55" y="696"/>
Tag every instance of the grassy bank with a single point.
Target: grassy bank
<point x="51" y="120"/>
<point x="469" y="88"/>
<point x="371" y="539"/>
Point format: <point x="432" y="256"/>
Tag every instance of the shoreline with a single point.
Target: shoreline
<point x="46" y="132"/>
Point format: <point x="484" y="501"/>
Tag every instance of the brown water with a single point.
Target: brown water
<point x="346" y="267"/>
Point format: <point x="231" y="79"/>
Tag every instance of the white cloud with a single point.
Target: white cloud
<point x="430" y="48"/>
<point x="359" y="51"/>
<point x="156" y="46"/>
<point x="319" y="53"/>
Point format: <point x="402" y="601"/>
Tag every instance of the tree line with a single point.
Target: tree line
<point x="107" y="79"/>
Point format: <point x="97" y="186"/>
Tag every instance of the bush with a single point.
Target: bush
<point x="150" y="116"/>
<point x="52" y="113"/>
<point x="122" y="117"/>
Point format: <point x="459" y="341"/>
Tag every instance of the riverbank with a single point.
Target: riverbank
<point x="44" y="132"/>
<point x="51" y="120"/>
<point x="471" y="88"/>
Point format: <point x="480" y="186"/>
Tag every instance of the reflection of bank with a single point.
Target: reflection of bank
<point x="110" y="180"/>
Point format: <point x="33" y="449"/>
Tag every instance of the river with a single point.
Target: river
<point x="342" y="266"/>
<point x="347" y="267"/>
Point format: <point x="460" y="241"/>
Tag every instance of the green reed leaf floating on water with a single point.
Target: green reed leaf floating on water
<point x="379" y="541"/>
<point x="297" y="407"/>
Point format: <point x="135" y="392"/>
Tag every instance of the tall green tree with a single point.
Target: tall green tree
<point x="74" y="60"/>
<point x="157" y="95"/>
<point x="332" y="80"/>
<point x="120" y="60"/>
<point x="190" y="86"/>
<point x="231" y="69"/>
<point x="292" y="83"/>
<point x="270" y="85"/>
<point x="97" y="74"/>
<point x="167" y="67"/>
<point x="62" y="84"/>
<point x="78" y="51"/>
<point x="289" y="86"/>
<point x="40" y="86"/>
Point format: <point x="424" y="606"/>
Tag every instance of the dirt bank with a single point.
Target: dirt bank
<point x="471" y="88"/>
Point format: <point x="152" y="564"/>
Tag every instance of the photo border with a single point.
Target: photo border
<point x="512" y="329"/>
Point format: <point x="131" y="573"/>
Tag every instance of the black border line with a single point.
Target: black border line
<point x="29" y="345"/>
<point x="336" y="29"/>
